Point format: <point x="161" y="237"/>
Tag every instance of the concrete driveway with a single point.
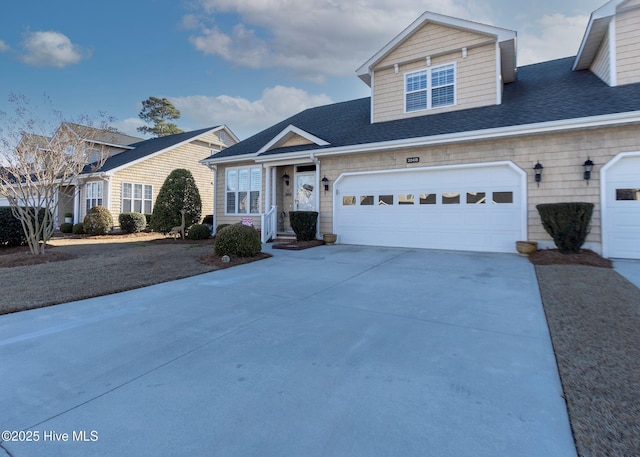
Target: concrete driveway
<point x="331" y="351"/>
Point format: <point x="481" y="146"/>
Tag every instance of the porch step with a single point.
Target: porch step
<point x="283" y="237"/>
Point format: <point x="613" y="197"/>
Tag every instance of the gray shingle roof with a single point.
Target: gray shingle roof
<point x="544" y="92"/>
<point x="145" y="148"/>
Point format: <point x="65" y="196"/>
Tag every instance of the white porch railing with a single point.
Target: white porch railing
<point x="269" y="224"/>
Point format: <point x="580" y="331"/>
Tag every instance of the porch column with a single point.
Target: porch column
<point x="267" y="190"/>
<point x="274" y="199"/>
<point x="76" y="202"/>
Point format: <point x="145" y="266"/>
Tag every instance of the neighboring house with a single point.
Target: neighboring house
<point x="442" y="154"/>
<point x="135" y="169"/>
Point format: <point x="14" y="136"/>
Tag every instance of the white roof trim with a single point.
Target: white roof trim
<point x="500" y="33"/>
<point x="288" y="133"/>
<point x="604" y="13"/>
<point x="475" y="135"/>
<point x="161" y="151"/>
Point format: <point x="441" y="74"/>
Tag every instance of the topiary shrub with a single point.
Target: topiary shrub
<point x="78" y="229"/>
<point x="199" y="232"/>
<point x="178" y="192"/>
<point x="221" y="226"/>
<point x="98" y="221"/>
<point x="567" y="223"/>
<point x="304" y="224"/>
<point x="239" y="240"/>
<point x="132" y="222"/>
<point x="67" y="227"/>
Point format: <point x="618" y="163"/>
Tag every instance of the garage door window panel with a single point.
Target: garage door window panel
<point x="451" y="198"/>
<point x="349" y="200"/>
<point x="385" y="200"/>
<point x="476" y="198"/>
<point x="366" y="200"/>
<point x="627" y="194"/>
<point x="406" y="199"/>
<point x="428" y="199"/>
<point x="502" y="197"/>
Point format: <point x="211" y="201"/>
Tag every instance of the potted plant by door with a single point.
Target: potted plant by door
<point x="329" y="238"/>
<point x="68" y="218"/>
<point x="525" y="248"/>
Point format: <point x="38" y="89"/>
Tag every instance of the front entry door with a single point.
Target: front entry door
<point x="304" y="199"/>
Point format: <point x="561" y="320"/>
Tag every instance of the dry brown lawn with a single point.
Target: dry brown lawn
<point x="78" y="267"/>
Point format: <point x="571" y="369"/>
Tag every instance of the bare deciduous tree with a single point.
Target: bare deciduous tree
<point x="34" y="165"/>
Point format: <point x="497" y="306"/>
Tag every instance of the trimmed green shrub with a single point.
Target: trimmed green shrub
<point x="11" y="231"/>
<point x="98" y="221"/>
<point x="239" y="240"/>
<point x="199" y="232"/>
<point x="304" y="224"/>
<point x="78" y="229"/>
<point x="147" y="218"/>
<point x="132" y="222"/>
<point x="66" y="227"/>
<point x="178" y="192"/>
<point x="220" y="227"/>
<point x="208" y="219"/>
<point x="567" y="223"/>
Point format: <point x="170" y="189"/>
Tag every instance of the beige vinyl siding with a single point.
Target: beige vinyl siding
<point x="153" y="171"/>
<point x="221" y="216"/>
<point x="475" y="83"/>
<point x="627" y="38"/>
<point x="561" y="154"/>
<point x="432" y="39"/>
<point x="600" y="66"/>
<point x="295" y="140"/>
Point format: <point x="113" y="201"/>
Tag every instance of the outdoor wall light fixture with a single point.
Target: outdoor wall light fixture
<point x="588" y="168"/>
<point x="325" y="181"/>
<point x="285" y="178"/>
<point x="538" y="171"/>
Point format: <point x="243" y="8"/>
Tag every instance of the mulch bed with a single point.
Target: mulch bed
<point x="555" y="257"/>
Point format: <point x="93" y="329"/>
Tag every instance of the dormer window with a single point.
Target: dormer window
<point x="430" y="88"/>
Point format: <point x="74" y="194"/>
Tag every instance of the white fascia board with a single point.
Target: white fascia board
<point x="291" y="130"/>
<point x="161" y="151"/>
<point x="608" y="10"/>
<point x="288" y="158"/>
<point x="488" y="134"/>
<point x="500" y="33"/>
<point x="232" y="159"/>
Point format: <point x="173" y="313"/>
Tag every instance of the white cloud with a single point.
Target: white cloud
<point x="245" y="117"/>
<point x="554" y="36"/>
<point x="130" y="126"/>
<point x="302" y="36"/>
<point x="4" y="47"/>
<point x="50" y="49"/>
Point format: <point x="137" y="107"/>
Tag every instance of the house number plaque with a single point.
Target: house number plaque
<point x="413" y="159"/>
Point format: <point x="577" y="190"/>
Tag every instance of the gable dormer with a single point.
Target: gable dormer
<point x="610" y="45"/>
<point x="439" y="64"/>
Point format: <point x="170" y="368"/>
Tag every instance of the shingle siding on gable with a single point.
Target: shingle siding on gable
<point x="153" y="171"/>
<point x="475" y="74"/>
<point x="628" y="36"/>
<point x="600" y="66"/>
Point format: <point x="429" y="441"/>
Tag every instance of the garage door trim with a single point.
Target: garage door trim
<point x="604" y="225"/>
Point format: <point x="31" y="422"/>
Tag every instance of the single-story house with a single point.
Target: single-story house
<point x="135" y="169"/>
<point x="457" y="145"/>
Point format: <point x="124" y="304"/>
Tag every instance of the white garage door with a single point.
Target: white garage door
<point x="476" y="208"/>
<point x="621" y="215"/>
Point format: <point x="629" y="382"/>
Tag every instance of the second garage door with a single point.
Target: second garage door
<point x="472" y="207"/>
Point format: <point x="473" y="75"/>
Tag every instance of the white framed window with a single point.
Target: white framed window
<point x="243" y="187"/>
<point x="137" y="198"/>
<point x="93" y="194"/>
<point x="430" y="88"/>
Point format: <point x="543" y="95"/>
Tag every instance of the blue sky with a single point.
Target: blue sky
<point x="244" y="63"/>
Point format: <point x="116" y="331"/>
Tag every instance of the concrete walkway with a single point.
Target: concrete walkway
<point x="331" y="351"/>
<point x="628" y="268"/>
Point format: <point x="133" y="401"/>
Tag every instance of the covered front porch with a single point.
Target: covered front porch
<point x="288" y="187"/>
